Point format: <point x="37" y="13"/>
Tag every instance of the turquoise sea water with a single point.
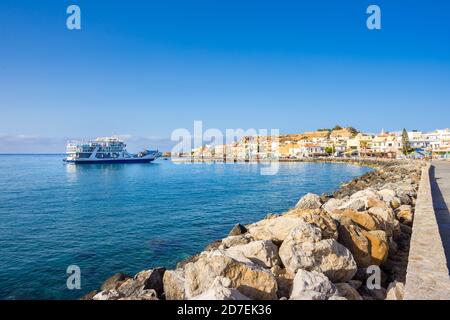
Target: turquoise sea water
<point x="110" y="218"/>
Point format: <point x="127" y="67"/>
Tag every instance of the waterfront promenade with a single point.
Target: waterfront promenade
<point x="440" y="189"/>
<point x="428" y="272"/>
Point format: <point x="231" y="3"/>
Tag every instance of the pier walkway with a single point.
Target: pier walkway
<point x="427" y="275"/>
<point x="440" y="190"/>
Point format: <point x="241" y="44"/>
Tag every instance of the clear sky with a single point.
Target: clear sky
<point x="145" y="68"/>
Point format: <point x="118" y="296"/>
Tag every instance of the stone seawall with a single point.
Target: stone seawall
<point x="427" y="273"/>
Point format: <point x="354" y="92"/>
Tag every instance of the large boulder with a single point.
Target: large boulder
<point x="250" y="279"/>
<point x="368" y="247"/>
<point x="387" y="195"/>
<point x="309" y="201"/>
<point x="352" y="237"/>
<point x="386" y="218"/>
<point x="365" y="194"/>
<point x="220" y="290"/>
<point x="326" y="256"/>
<point x="395" y="203"/>
<point x="332" y="204"/>
<point x="305" y="232"/>
<point x="361" y="218"/>
<point x="357" y="204"/>
<point x="275" y="229"/>
<point x="405" y="214"/>
<point x="379" y="246"/>
<point x="174" y="284"/>
<point x="318" y="218"/>
<point x="312" y="286"/>
<point x="262" y="252"/>
<point x="375" y="202"/>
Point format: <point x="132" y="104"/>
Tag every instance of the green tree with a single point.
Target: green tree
<point x="329" y="150"/>
<point x="337" y="127"/>
<point x="406" y="146"/>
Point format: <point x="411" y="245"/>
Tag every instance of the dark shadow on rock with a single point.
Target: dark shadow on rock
<point x="442" y="214"/>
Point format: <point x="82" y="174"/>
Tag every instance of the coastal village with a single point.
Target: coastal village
<point x="336" y="142"/>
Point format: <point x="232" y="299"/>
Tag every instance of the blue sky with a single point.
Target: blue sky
<point x="145" y="68"/>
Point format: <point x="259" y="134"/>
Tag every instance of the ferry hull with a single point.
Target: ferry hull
<point x="109" y="161"/>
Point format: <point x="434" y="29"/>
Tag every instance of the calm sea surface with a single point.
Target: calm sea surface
<point x="110" y="218"/>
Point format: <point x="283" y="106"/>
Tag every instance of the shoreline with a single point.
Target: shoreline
<point x="368" y="162"/>
<point x="342" y="219"/>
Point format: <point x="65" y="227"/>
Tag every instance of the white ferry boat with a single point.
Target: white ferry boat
<point x="105" y="150"/>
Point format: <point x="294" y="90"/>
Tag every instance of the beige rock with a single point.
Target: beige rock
<point x="262" y="252"/>
<point x="305" y="232"/>
<point x="174" y="284"/>
<point x="387" y="195"/>
<point x="365" y="194"/>
<point x="249" y="279"/>
<point x="318" y="218"/>
<point x="375" y="202"/>
<point x="386" y="217"/>
<point x="405" y="215"/>
<point x="311" y="286"/>
<point x="362" y="218"/>
<point x="352" y="237"/>
<point x="395" y="203"/>
<point x="275" y="229"/>
<point x="379" y="246"/>
<point x="220" y="290"/>
<point x="357" y="204"/>
<point x="326" y="256"/>
<point x="333" y="204"/>
<point x="309" y="201"/>
<point x="368" y="247"/>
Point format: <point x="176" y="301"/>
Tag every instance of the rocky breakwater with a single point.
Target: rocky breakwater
<point x="319" y="250"/>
